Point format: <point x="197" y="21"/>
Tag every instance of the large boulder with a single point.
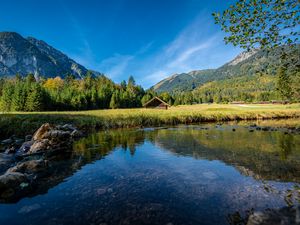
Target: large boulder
<point x="11" y="184"/>
<point x="30" y="167"/>
<point x="41" y="132"/>
<point x="57" y="134"/>
<point x="39" y="146"/>
<point x="49" y="139"/>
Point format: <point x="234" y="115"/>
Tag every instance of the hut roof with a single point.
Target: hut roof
<point x="153" y="99"/>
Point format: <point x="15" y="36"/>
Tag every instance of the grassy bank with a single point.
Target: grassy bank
<point x="25" y="123"/>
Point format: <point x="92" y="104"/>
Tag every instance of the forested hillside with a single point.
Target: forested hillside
<point x="246" y="67"/>
<point x="257" y="88"/>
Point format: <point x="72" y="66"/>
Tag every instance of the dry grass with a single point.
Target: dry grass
<point x="116" y="118"/>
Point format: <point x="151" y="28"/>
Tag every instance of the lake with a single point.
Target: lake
<point x="197" y="174"/>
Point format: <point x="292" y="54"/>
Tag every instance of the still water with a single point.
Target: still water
<point x="206" y="174"/>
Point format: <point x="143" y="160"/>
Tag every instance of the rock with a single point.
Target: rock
<point x="233" y="129"/>
<point x="18" y="141"/>
<point x="5" y="162"/>
<point x="10" y="150"/>
<point x="7" y="141"/>
<point x="251" y="130"/>
<point x="68" y="127"/>
<point x="40" y="133"/>
<point x="76" y="134"/>
<point x="10" y="184"/>
<point x="28" y="138"/>
<point x="56" y="134"/>
<point x="29" y="167"/>
<point x="39" y="146"/>
<point x="265" y="128"/>
<point x="49" y="138"/>
<point x="283" y="216"/>
<point x="258" y="128"/>
<point x="26" y="146"/>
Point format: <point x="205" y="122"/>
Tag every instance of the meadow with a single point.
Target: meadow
<point x="21" y="123"/>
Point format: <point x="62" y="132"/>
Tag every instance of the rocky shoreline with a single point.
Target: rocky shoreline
<point x="28" y="160"/>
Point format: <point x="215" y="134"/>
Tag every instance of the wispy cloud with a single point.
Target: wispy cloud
<point x="197" y="46"/>
<point x="115" y="65"/>
<point x="185" y="52"/>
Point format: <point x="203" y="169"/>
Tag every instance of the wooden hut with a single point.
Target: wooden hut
<point x="156" y="103"/>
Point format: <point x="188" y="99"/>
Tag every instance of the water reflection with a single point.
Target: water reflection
<point x="205" y="174"/>
<point x="262" y="155"/>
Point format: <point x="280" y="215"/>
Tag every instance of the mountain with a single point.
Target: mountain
<point x="19" y="55"/>
<point x="184" y="81"/>
<point x="245" y="64"/>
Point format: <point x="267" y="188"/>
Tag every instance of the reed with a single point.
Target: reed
<point x="21" y="123"/>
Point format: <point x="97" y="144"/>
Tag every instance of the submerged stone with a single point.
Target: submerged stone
<point x="32" y="166"/>
<point x="26" y="146"/>
<point x="10" y="184"/>
<point x="284" y="216"/>
<point x="29" y="208"/>
<point x="7" y="141"/>
<point x="28" y="137"/>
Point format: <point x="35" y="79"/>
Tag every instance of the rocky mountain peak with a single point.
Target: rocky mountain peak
<point x="22" y="56"/>
<point x="242" y="57"/>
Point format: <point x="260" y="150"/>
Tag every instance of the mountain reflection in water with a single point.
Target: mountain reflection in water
<point x="175" y="175"/>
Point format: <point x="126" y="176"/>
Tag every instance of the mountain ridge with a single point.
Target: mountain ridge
<point x="19" y="55"/>
<point x="244" y="64"/>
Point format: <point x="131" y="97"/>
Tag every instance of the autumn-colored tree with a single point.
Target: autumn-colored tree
<point x="54" y="83"/>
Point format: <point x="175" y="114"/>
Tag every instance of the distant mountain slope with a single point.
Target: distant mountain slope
<point x="23" y="56"/>
<point x="245" y="64"/>
<point x="184" y="81"/>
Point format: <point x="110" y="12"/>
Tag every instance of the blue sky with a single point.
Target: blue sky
<point x="149" y="39"/>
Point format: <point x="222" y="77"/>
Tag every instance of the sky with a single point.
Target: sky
<point x="148" y="39"/>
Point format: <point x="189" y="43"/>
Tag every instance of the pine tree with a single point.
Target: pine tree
<point x="283" y="84"/>
<point x="30" y="78"/>
<point x="113" y="102"/>
<point x="131" y="81"/>
<point x="34" y="100"/>
<point x="6" y="98"/>
<point x="19" y="97"/>
<point x="147" y="97"/>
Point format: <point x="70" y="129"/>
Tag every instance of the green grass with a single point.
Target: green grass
<point x="21" y="123"/>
